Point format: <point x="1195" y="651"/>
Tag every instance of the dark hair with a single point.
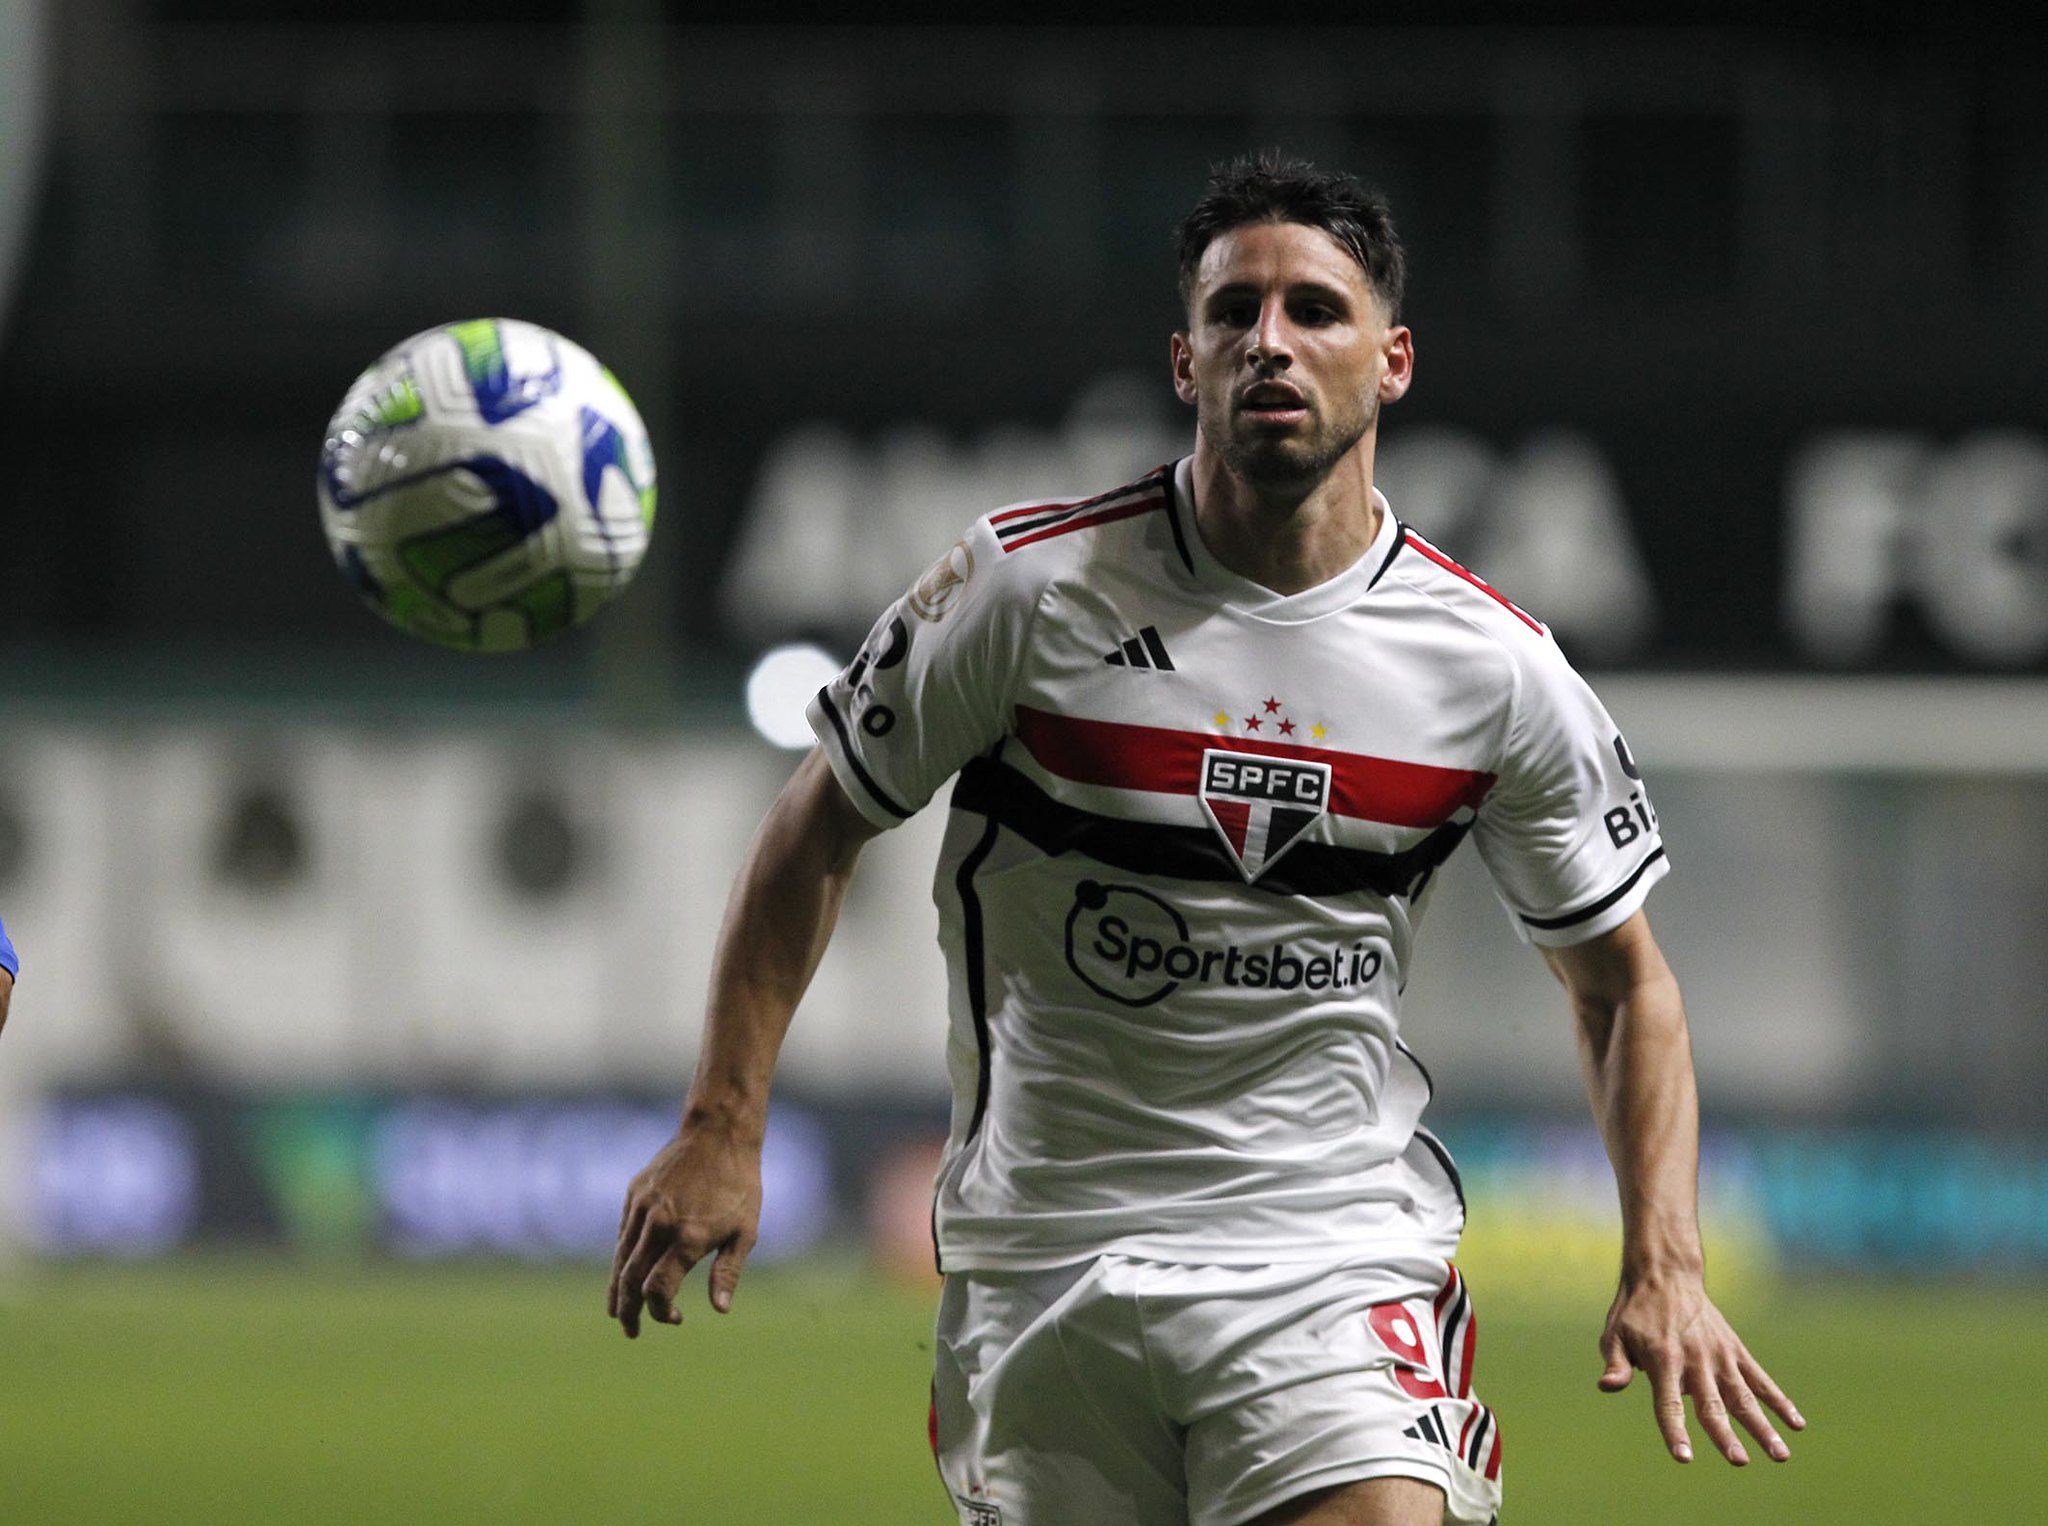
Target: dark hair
<point x="1272" y="187"/>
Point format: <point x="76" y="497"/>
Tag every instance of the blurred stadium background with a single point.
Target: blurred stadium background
<point x="358" y="977"/>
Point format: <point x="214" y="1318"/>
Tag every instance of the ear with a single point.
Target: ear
<point x="1183" y="354"/>
<point x="1397" y="353"/>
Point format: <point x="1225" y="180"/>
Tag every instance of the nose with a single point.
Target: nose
<point x="1269" y="348"/>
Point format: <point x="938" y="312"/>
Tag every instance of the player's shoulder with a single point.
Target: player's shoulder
<point x="1460" y="596"/>
<point x="1011" y="557"/>
<point x="1510" y="642"/>
<point x="1040" y="537"/>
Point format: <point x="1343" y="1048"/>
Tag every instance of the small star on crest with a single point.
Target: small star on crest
<point x="1284" y="724"/>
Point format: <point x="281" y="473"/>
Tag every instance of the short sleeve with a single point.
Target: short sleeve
<point x="931" y="685"/>
<point x="1568" y="832"/>
<point x="8" y="961"/>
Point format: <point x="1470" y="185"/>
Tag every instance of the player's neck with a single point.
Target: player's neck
<point x="1286" y="542"/>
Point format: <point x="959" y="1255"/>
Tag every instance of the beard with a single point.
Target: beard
<point x="1296" y="461"/>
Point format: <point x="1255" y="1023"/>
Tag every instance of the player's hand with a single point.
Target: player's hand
<point x="701" y="1196"/>
<point x="1671" y="1329"/>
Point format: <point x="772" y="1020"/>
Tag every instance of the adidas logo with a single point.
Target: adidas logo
<point x="1429" y="1426"/>
<point x="1144" y="650"/>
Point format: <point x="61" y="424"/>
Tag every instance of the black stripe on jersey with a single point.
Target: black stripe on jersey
<point x="972" y="953"/>
<point x="1150" y="636"/>
<point x="867" y="780"/>
<point x="1018" y="527"/>
<point x="1053" y="513"/>
<point x="1586" y="913"/>
<point x="1432" y="1428"/>
<point x="1447" y="1329"/>
<point x="1475" y="1450"/>
<point x="1450" y="1166"/>
<point x="1415" y="1059"/>
<point x="1001" y="793"/>
<point x="1180" y="540"/>
<point x="1400" y="540"/>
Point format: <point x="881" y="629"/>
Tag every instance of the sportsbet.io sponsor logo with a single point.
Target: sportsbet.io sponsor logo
<point x="1134" y="948"/>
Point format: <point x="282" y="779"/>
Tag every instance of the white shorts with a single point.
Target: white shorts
<point x="1124" y="1392"/>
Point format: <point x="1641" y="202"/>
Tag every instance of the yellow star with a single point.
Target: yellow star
<point x="1317" y="731"/>
<point x="1220" y="718"/>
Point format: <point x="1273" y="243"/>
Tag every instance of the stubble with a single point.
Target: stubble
<point x="1288" y="463"/>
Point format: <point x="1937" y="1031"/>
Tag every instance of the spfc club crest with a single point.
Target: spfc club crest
<point x="1262" y="806"/>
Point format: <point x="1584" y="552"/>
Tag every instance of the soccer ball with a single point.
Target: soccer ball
<point x="487" y="485"/>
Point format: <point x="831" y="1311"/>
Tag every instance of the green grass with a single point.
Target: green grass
<point x="262" y="1391"/>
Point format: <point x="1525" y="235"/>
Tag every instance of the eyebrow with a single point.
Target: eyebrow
<point x="1299" y="288"/>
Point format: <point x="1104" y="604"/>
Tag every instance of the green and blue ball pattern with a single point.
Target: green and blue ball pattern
<point x="487" y="485"/>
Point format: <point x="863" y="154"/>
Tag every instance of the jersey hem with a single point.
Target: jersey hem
<point x="1605" y="914"/>
<point x="867" y="796"/>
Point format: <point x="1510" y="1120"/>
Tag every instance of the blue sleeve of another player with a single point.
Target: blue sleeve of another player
<point x="8" y="962"/>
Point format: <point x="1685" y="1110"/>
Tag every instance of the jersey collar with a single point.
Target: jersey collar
<point x="1255" y="598"/>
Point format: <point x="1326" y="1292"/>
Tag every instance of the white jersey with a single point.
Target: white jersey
<point x="1194" y="829"/>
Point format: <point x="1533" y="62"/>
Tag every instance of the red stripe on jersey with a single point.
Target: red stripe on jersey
<point x="1059" y="505"/>
<point x="931" y="1428"/>
<point x="1450" y="1286"/>
<point x="1493" y="1457"/>
<point x="1087" y="521"/>
<point x="1465" y="1431"/>
<point x="1169" y="762"/>
<point x="1473" y="578"/>
<point x="1149" y="483"/>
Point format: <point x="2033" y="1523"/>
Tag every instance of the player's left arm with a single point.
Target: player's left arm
<point x="6" y="992"/>
<point x="1636" y="1053"/>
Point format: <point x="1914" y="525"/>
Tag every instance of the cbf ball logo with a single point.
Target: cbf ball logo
<point x="937" y="590"/>
<point x="1262" y="806"/>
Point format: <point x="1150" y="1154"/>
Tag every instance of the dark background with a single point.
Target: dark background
<point x="1702" y="249"/>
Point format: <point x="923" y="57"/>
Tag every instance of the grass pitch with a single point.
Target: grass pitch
<point x="245" y="1391"/>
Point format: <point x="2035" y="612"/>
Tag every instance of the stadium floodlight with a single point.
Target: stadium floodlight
<point x="779" y="687"/>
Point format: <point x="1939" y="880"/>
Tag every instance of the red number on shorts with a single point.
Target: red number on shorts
<point x="1398" y="1331"/>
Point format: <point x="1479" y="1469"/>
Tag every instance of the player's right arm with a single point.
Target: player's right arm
<point x="701" y="1195"/>
<point x="6" y="992"/>
<point x="929" y="689"/>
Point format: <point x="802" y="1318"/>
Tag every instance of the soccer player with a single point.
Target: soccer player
<point x="1212" y="734"/>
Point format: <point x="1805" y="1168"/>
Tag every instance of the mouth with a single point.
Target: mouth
<point x="1272" y="402"/>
